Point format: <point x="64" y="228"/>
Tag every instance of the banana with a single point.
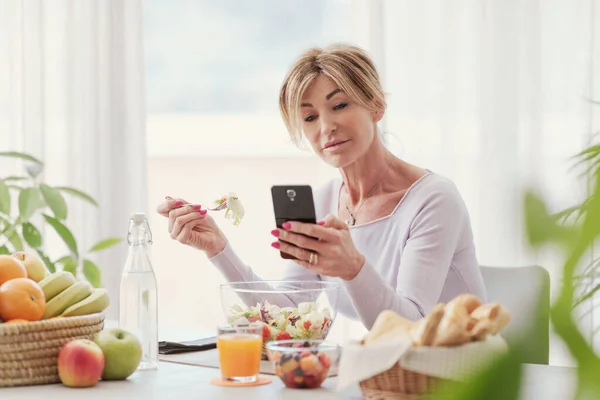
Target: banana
<point x="73" y="294"/>
<point x="96" y="302"/>
<point x="56" y="283"/>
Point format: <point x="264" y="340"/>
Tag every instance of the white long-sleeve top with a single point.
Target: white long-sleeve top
<point x="419" y="255"/>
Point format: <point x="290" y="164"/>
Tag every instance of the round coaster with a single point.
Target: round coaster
<point x="262" y="380"/>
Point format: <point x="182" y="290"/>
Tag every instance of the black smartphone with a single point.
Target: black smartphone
<point x="293" y="203"/>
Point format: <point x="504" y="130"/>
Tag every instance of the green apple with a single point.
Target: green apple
<point x="122" y="353"/>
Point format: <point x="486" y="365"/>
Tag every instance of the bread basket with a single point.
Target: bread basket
<point x="29" y="351"/>
<point x="398" y="383"/>
<point x="404" y="359"/>
<point x="424" y="370"/>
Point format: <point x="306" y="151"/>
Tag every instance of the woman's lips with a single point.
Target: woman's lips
<point x="336" y="145"/>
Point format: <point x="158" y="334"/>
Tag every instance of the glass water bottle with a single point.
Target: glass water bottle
<point x="138" y="301"/>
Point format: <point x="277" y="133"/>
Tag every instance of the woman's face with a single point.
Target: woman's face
<point x="338" y="129"/>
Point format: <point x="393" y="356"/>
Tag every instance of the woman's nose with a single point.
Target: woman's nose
<point x="328" y="125"/>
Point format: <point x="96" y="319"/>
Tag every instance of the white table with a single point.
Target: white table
<point x="178" y="381"/>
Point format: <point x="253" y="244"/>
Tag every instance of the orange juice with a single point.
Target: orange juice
<point x="239" y="354"/>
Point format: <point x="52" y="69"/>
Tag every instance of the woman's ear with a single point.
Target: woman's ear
<point x="377" y="116"/>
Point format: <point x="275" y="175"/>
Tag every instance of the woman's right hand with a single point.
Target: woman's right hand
<point x="191" y="225"/>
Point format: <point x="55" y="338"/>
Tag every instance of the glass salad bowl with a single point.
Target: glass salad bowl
<point x="288" y="309"/>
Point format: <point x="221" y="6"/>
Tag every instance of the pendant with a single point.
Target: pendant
<point x="351" y="221"/>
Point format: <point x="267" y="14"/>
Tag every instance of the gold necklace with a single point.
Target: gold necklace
<point x="352" y="219"/>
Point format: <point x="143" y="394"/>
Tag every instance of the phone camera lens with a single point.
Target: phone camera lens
<point x="291" y="193"/>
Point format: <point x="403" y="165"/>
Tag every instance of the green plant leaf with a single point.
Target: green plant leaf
<point x="15" y="178"/>
<point x="4" y="250"/>
<point x="105" y="244"/>
<point x="499" y="380"/>
<point x="62" y="259"/>
<point x="15" y="239"/>
<point x="64" y="233"/>
<point x="29" y="201"/>
<point x="78" y="193"/>
<point x="541" y="228"/>
<point x="46" y="260"/>
<point x="69" y="264"/>
<point x="4" y="198"/>
<point x="55" y="201"/>
<point x="31" y="234"/>
<point x="589" y="294"/>
<point x="24" y="156"/>
<point x="91" y="272"/>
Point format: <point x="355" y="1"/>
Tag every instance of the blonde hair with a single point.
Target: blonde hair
<point x="348" y="66"/>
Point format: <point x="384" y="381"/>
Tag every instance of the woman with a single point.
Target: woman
<point x="395" y="235"/>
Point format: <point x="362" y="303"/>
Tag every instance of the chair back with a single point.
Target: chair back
<point x="525" y="292"/>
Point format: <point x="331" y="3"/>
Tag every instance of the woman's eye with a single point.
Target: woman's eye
<point x="310" y="118"/>
<point x="340" y="106"/>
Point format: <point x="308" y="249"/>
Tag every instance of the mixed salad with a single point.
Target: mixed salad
<point x="232" y="206"/>
<point x="283" y="323"/>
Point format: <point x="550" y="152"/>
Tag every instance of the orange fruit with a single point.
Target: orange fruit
<point x="21" y="298"/>
<point x="11" y="268"/>
<point x="16" y="321"/>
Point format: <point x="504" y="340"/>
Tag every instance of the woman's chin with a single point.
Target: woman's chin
<point x="337" y="160"/>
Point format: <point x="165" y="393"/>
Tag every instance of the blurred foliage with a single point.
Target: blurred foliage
<point x="573" y="232"/>
<point x="25" y="199"/>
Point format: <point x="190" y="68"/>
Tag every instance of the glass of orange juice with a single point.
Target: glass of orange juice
<point x="240" y="351"/>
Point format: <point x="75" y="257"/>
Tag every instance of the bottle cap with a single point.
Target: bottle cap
<point x="139" y="217"/>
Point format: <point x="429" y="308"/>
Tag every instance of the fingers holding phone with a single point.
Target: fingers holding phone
<point x="325" y="247"/>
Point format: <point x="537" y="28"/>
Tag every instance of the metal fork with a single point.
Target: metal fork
<point x="220" y="207"/>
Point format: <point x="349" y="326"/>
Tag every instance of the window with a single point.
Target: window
<point x="214" y="69"/>
<point x="213" y="75"/>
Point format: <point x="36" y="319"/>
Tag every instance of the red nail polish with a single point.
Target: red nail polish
<point x="321" y="223"/>
<point x="168" y="197"/>
<point x="196" y="207"/>
<point x="203" y="212"/>
<point x="275" y="244"/>
<point x="275" y="232"/>
<point x="286" y="225"/>
<point x="178" y="203"/>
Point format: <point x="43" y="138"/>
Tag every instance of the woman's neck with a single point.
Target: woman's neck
<point x="362" y="177"/>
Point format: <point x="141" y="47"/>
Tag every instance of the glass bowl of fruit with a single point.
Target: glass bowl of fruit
<point x="289" y="310"/>
<point x="303" y="364"/>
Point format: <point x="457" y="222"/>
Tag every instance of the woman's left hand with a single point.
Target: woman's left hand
<point x="325" y="248"/>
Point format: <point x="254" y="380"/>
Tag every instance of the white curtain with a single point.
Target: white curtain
<point x="75" y="100"/>
<point x="493" y="95"/>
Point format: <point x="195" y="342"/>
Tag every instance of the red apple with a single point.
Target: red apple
<point x="80" y="363"/>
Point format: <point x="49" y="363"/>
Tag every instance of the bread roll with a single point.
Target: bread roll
<point x="425" y="330"/>
<point x="453" y="328"/>
<point x="491" y="319"/>
<point x="388" y="325"/>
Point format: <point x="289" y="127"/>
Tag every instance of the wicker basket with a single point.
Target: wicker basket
<point x="29" y="351"/>
<point x="399" y="384"/>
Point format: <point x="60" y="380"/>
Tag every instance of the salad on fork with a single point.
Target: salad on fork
<point x="232" y="206"/>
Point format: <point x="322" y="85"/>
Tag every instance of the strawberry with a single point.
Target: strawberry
<point x="283" y="336"/>
<point x="307" y="325"/>
<point x="266" y="332"/>
<point x="305" y="353"/>
<point x="325" y="360"/>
